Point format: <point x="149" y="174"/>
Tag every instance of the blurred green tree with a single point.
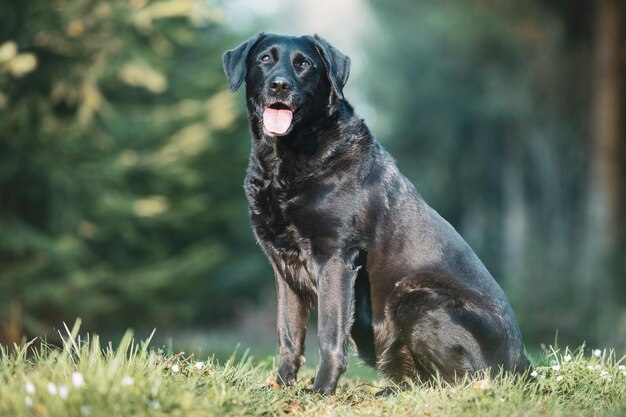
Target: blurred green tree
<point x="121" y="162"/>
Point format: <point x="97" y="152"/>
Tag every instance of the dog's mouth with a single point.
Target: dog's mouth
<point x="277" y="118"/>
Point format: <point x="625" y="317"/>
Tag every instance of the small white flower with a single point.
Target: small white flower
<point x="553" y="362"/>
<point x="590" y="367"/>
<point x="29" y="387"/>
<point x="175" y="369"/>
<point x="78" y="380"/>
<point x="534" y="374"/>
<point x="199" y="365"/>
<point x="127" y="381"/>
<point x="63" y="392"/>
<point x="28" y="401"/>
<point x="86" y="411"/>
<point x="624" y="373"/>
<point x="52" y="389"/>
<point x="559" y="378"/>
<point x="542" y="377"/>
<point x="555" y="367"/>
<point x="597" y="353"/>
<point x="608" y="378"/>
<point x="567" y="358"/>
<point x="604" y="373"/>
<point x="597" y="367"/>
<point x="622" y="368"/>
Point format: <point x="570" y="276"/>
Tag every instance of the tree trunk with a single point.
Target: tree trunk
<point x="606" y="196"/>
<point x="607" y="187"/>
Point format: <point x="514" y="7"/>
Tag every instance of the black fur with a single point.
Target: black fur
<point x="347" y="233"/>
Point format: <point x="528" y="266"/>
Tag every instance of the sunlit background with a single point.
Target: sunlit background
<point x="122" y="157"/>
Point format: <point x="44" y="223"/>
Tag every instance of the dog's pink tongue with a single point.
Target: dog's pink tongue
<point x="277" y="121"/>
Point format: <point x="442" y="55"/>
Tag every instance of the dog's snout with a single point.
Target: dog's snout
<point x="280" y="84"/>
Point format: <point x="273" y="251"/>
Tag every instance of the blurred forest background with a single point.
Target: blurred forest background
<point x="122" y="155"/>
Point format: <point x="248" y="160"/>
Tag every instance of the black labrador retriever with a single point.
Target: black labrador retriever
<point x="346" y="231"/>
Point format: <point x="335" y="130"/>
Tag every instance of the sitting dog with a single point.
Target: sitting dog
<point x="346" y="232"/>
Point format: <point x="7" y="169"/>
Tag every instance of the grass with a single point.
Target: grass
<point x="83" y="378"/>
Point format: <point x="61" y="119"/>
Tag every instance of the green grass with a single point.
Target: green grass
<point x="134" y="379"/>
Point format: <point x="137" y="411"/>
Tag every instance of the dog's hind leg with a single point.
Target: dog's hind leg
<point x="446" y="330"/>
<point x="396" y="361"/>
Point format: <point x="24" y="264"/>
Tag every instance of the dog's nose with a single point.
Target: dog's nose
<point x="279" y="84"/>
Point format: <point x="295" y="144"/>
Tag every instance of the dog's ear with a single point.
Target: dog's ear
<point x="337" y="64"/>
<point x="234" y="60"/>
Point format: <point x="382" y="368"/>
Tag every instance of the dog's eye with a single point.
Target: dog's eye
<point x="305" y="64"/>
<point x="265" y="58"/>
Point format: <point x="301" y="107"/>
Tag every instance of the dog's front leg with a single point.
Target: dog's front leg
<point x="335" y="303"/>
<point x="293" y="317"/>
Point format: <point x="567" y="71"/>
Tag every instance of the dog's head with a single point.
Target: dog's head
<point x="288" y="79"/>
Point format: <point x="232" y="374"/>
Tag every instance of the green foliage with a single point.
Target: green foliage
<point x="88" y="378"/>
<point x="121" y="162"/>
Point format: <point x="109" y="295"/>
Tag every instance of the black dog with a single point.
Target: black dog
<point x="344" y="229"/>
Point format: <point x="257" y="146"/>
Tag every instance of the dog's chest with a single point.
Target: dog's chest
<point x="275" y="216"/>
